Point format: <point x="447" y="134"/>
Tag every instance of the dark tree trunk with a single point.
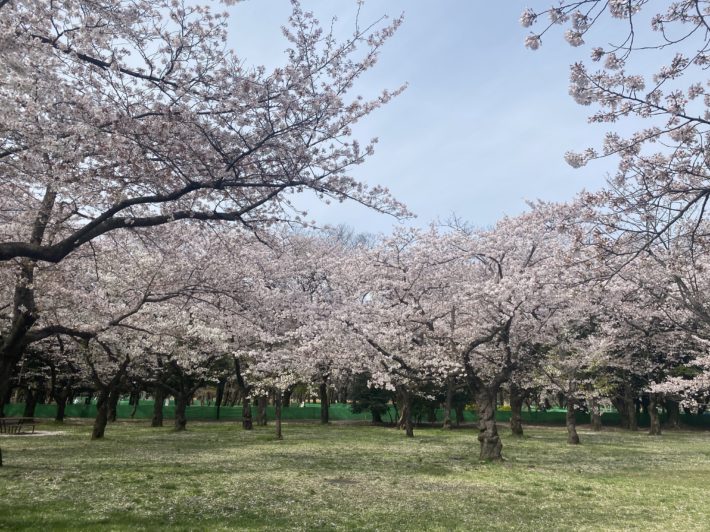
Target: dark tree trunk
<point x="516" y="409"/>
<point x="261" y="411"/>
<point x="406" y="416"/>
<point x="287" y="397"/>
<point x="630" y="402"/>
<point x="447" y="405"/>
<point x="655" y="428"/>
<point x="42" y="395"/>
<point x="571" y="422"/>
<point x="24" y="316"/>
<point x="277" y="415"/>
<point x="30" y="402"/>
<point x="324" y="402"/>
<point x="561" y="400"/>
<point x="219" y="396"/>
<point x="673" y="409"/>
<point x="101" y="415"/>
<point x="459" y="414"/>
<point x="343" y="393"/>
<point x="113" y="398"/>
<point x="61" y="400"/>
<point x="5" y="395"/>
<point x="136" y="403"/>
<point x="134" y="397"/>
<point x="431" y="414"/>
<point x="247" y="423"/>
<point x="181" y="411"/>
<point x="158" y="400"/>
<point x="623" y="412"/>
<point x="376" y="416"/>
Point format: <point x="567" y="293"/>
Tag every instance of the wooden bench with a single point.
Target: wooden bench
<point x="15" y="425"/>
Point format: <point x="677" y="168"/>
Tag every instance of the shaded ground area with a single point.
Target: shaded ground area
<point x="216" y="476"/>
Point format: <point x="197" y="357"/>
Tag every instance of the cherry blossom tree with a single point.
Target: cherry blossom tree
<point x="395" y="293"/>
<point x="123" y="115"/>
<point x="504" y="294"/>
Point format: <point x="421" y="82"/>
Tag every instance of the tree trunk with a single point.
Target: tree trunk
<point x="459" y="414"/>
<point x="516" y="409"/>
<point x="101" y="415"/>
<point x="621" y="409"/>
<point x="431" y="414"/>
<point x="406" y="417"/>
<point x="655" y="428"/>
<point x="5" y="395"/>
<point x="287" y="397"/>
<point x="343" y="393"/>
<point x="113" y="398"/>
<point x="376" y="416"/>
<point x="571" y="422"/>
<point x="447" y="405"/>
<point x="247" y="423"/>
<point x="261" y="411"/>
<point x="61" y="400"/>
<point x="488" y="438"/>
<point x="594" y="412"/>
<point x="158" y="400"/>
<point x="136" y="403"/>
<point x="30" y="402"/>
<point x="219" y="396"/>
<point x="324" y="402"/>
<point x="630" y="403"/>
<point x="24" y="313"/>
<point x="180" y="412"/>
<point x="277" y="414"/>
<point x="673" y="409"/>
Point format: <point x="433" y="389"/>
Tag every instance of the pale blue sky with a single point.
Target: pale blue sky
<point x="483" y="125"/>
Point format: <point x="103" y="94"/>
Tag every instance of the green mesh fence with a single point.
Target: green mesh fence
<point x="337" y="412"/>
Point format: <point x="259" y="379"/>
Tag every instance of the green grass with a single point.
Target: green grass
<point x="218" y="477"/>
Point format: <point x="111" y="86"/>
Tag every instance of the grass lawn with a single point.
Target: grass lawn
<point x="219" y="477"/>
